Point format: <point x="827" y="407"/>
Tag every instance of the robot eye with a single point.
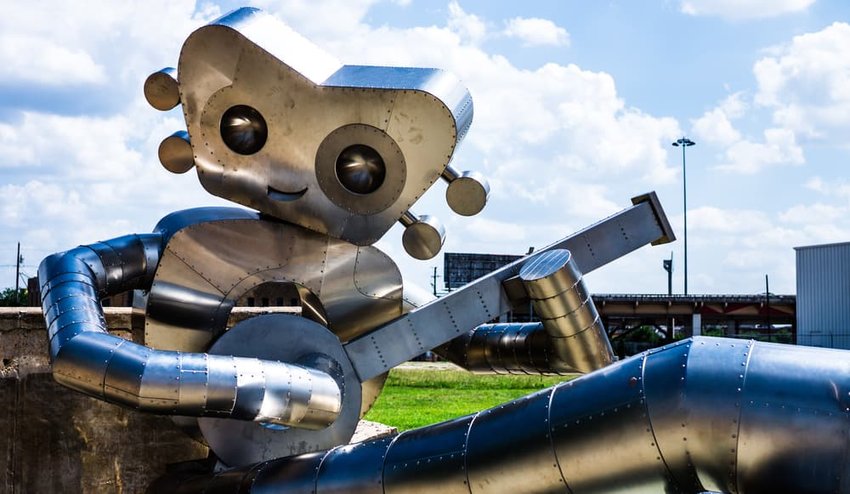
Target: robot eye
<point x="360" y="169"/>
<point x="243" y="129"/>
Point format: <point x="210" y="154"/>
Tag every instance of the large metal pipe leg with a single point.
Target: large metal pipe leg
<point x="707" y="414"/>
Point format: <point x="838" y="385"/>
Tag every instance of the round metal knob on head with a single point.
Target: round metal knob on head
<point x="161" y="89"/>
<point x="175" y="152"/>
<point x="424" y="238"/>
<point x="467" y="193"/>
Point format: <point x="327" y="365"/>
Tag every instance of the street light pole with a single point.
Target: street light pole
<point x="684" y="142"/>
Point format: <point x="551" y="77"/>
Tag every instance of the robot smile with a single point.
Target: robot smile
<point x="279" y="195"/>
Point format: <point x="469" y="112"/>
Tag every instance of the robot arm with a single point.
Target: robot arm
<point x="87" y="358"/>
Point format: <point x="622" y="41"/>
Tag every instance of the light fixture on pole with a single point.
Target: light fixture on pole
<point x="684" y="142"/>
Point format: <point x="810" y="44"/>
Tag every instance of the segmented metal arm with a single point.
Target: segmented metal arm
<point x="87" y="358"/>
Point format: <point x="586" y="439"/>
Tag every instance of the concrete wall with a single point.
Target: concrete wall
<point x="55" y="440"/>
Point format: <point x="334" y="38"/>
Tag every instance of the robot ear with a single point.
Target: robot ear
<point x="161" y="89"/>
<point x="423" y="235"/>
<point x="175" y="152"/>
<point x="468" y="191"/>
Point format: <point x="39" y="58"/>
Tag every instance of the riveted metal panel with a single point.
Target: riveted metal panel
<point x="794" y="434"/>
<point x="716" y="369"/>
<point x="354" y="469"/>
<point x="430" y="459"/>
<point x="460" y="311"/>
<point x="358" y="287"/>
<point x="509" y="448"/>
<point x="297" y="473"/>
<point x="235" y="62"/>
<point x="665" y="383"/>
<point x="272" y="337"/>
<point x="595" y="431"/>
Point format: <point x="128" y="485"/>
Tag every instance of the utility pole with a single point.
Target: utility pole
<point x="18" y="261"/>
<point x="684" y="142"/>
<point x="668" y="266"/>
<point x="767" y="308"/>
<point x="434" y="281"/>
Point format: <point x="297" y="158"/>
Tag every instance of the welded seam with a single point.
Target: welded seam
<point x="649" y="419"/>
<point x="734" y="475"/>
<point x="552" y="437"/>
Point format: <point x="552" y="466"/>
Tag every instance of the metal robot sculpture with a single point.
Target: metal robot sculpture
<point x="331" y="156"/>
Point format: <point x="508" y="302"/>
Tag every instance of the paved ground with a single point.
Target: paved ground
<point x="430" y="366"/>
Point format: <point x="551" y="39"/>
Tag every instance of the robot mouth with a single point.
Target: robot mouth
<point x="279" y="195"/>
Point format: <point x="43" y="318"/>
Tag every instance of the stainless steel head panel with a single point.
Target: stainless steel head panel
<point x="310" y="109"/>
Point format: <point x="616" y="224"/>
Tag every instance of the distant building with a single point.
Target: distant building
<point x="823" y="295"/>
<point x="459" y="268"/>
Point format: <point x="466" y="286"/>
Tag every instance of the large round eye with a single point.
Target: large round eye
<point x="243" y="129"/>
<point x="360" y="169"/>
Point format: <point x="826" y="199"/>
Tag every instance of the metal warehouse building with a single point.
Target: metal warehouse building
<point x="823" y="295"/>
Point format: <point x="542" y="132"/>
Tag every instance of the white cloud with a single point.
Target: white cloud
<point x="716" y="221"/>
<point x="715" y="126"/>
<point x="108" y="46"/>
<point x="835" y="188"/>
<point x="744" y="9"/>
<point x="778" y="148"/>
<point x="468" y="26"/>
<point x="807" y="83"/>
<point x="805" y="214"/>
<point x="533" y="31"/>
<point x="35" y="59"/>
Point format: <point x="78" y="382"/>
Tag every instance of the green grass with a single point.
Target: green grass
<point x="414" y="398"/>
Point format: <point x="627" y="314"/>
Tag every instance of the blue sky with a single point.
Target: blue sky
<point x="576" y="104"/>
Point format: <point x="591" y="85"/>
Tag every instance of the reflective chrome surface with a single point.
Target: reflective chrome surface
<point x="423" y="236"/>
<point x="87" y="358"/>
<point x="161" y="89"/>
<point x="331" y="156"/>
<point x="705" y="414"/>
<point x="569" y="339"/>
<point x="175" y="152"/>
<point x="467" y="192"/>
<point x="287" y="339"/>
<point x="561" y="300"/>
<point x="483" y="300"/>
<point x="312" y="111"/>
<point x="214" y="257"/>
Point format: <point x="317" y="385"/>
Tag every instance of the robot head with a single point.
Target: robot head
<point x="276" y="124"/>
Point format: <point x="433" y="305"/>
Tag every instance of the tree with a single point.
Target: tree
<point x="8" y="299"/>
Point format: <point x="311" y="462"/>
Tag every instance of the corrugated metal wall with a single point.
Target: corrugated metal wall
<point x="823" y="295"/>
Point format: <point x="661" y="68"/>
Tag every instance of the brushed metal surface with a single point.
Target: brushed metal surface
<point x="161" y="89"/>
<point x="286" y="338"/>
<point x="576" y="334"/>
<point x="87" y="358"/>
<point x="467" y="192"/>
<point x="701" y="414"/>
<point x="423" y="238"/>
<point x="208" y="266"/>
<point x="175" y="152"/>
<point x="483" y="300"/>
<point x="314" y="108"/>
